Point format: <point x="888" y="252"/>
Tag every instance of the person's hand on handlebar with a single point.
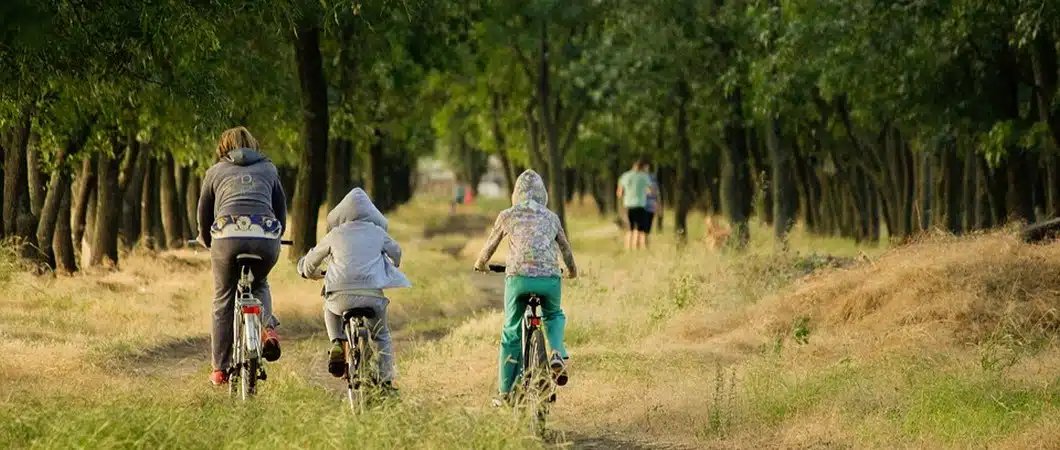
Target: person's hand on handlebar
<point x="481" y="267"/>
<point x="570" y="273"/>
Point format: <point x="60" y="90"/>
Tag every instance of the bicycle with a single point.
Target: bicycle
<point x="536" y="390"/>
<point x="360" y="374"/>
<point x="247" y="366"/>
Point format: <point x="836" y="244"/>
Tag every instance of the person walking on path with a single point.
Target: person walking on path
<point x="633" y="189"/>
<point x="653" y="206"/>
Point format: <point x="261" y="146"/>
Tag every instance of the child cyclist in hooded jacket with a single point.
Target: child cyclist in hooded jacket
<point x="362" y="260"/>
<point x="534" y="234"/>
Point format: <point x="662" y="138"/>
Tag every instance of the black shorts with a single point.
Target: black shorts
<point x="639" y="219"/>
<point x="651" y="220"/>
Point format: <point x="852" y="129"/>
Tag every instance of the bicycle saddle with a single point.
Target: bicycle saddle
<point x="366" y="313"/>
<point x="531" y="298"/>
<point x="248" y="257"/>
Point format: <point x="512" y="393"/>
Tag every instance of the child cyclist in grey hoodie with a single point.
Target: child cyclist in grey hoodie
<point x="362" y="260"/>
<point x="534" y="234"/>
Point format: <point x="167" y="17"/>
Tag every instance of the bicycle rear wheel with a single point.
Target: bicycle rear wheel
<point x="364" y="378"/>
<point x="351" y="366"/>
<point x="537" y="382"/>
<point x="249" y="378"/>
<point x="236" y="360"/>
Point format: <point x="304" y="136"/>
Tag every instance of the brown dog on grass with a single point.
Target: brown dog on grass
<point x="717" y="235"/>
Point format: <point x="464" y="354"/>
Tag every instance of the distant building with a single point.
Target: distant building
<point x="434" y="176"/>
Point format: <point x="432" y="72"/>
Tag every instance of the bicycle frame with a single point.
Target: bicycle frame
<point x="531" y="322"/>
<point x="246" y="331"/>
<point x="248" y="309"/>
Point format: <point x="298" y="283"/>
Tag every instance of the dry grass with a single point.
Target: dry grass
<point x="944" y="342"/>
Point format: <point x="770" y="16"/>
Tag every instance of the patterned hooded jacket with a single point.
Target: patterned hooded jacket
<point x="534" y="233"/>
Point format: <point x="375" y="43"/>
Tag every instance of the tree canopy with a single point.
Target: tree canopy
<point x="848" y="117"/>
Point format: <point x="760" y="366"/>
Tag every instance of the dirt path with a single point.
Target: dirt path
<point x="302" y="338"/>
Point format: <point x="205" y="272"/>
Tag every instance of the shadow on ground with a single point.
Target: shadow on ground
<point x="565" y="439"/>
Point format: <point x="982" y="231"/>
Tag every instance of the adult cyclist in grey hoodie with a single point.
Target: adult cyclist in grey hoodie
<point x="362" y="260"/>
<point x="242" y="209"/>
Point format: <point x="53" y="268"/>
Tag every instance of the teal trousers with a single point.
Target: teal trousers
<point x="510" y="360"/>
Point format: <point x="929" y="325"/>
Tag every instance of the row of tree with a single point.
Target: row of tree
<point x="109" y="113"/>
<point x="853" y="116"/>
<point x="850" y="115"/>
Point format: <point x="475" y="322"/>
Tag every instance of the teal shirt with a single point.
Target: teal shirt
<point x="634" y="188"/>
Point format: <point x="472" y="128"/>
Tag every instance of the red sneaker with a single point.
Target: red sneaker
<point x="270" y="348"/>
<point x="218" y="377"/>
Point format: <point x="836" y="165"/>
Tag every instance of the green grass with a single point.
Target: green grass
<point x="689" y="346"/>
<point x="289" y="414"/>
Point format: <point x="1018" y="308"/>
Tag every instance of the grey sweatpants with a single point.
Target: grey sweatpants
<point x="338" y="303"/>
<point x="225" y="278"/>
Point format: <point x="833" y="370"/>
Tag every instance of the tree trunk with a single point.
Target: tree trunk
<point x="108" y="207"/>
<point x="158" y="230"/>
<point x="16" y="184"/>
<point x="89" y="242"/>
<point x="970" y="192"/>
<point x="36" y="179"/>
<point x="762" y="199"/>
<point x="537" y="159"/>
<point x="338" y="168"/>
<point x="557" y="182"/>
<point x="183" y="175"/>
<point x="1044" y="67"/>
<point x="683" y="194"/>
<point x="148" y="191"/>
<point x="953" y="170"/>
<point x="288" y="176"/>
<point x="132" y="193"/>
<point x="927" y="193"/>
<point x="736" y="175"/>
<point x="130" y="164"/>
<point x="997" y="191"/>
<point x="501" y="141"/>
<point x="571" y="181"/>
<point x="784" y="193"/>
<point x="1052" y="185"/>
<point x="509" y="171"/>
<point x="1020" y="198"/>
<point x="596" y="188"/>
<point x="86" y="187"/>
<point x="809" y="201"/>
<point x="375" y="182"/>
<point x="191" y="204"/>
<point x="172" y="213"/>
<point x="58" y="187"/>
<point x="62" y="240"/>
<point x="873" y="206"/>
<point x="309" y="190"/>
<point x="985" y="213"/>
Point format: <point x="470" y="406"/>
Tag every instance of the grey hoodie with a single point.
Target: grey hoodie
<point x="358" y="245"/>
<point x="244" y="183"/>
<point x="534" y="233"/>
